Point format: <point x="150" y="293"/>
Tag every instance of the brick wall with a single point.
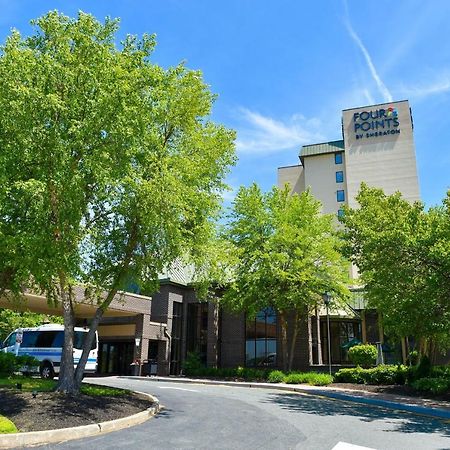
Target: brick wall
<point x="232" y="339"/>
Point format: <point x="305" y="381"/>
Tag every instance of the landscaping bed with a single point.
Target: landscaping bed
<point x="47" y="410"/>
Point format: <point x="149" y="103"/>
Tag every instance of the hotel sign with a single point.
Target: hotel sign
<point x="375" y="123"/>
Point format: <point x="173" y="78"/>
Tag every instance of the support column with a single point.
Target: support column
<point x="363" y="327"/>
<point x="212" y="335"/>
<point x="380" y="329"/>
<point x="310" y="346"/>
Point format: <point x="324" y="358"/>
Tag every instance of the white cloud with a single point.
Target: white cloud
<point x="438" y="86"/>
<point x="384" y="91"/>
<point x="262" y="134"/>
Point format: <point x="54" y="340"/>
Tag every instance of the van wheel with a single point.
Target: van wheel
<point x="46" y="371"/>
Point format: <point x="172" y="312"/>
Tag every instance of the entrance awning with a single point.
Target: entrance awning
<point x="123" y="304"/>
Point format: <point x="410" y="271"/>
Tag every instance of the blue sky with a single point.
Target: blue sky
<point x="284" y="70"/>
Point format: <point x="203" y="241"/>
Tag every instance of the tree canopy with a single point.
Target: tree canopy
<point x="285" y="254"/>
<point x="402" y="252"/>
<point x="109" y="166"/>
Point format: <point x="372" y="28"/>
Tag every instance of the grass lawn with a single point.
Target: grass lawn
<point x="40" y="385"/>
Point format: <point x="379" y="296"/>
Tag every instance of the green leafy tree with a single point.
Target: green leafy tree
<point x="285" y="254"/>
<point x="109" y="166"/>
<point x="402" y="252"/>
<point x="11" y="320"/>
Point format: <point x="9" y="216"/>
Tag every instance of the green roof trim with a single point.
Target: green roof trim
<point x="322" y="148"/>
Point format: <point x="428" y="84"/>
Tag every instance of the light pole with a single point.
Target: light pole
<point x="327" y="300"/>
<point x="138" y="359"/>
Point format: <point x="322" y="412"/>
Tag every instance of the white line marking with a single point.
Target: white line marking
<point x="347" y="446"/>
<point x="177" y="388"/>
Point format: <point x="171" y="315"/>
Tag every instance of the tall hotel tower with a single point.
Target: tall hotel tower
<point x="377" y="148"/>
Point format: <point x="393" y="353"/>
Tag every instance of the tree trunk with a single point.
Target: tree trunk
<point x="293" y="341"/>
<point x="87" y="347"/>
<point x="319" y="339"/>
<point x="284" y="343"/>
<point x="66" y="382"/>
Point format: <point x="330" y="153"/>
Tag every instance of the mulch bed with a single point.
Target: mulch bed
<point x="49" y="410"/>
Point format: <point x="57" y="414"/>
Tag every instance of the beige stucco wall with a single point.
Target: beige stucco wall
<point x="387" y="162"/>
<point x="320" y="176"/>
<point x="293" y="176"/>
<point x="125" y="330"/>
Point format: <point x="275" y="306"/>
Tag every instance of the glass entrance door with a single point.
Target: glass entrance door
<point x="115" y="358"/>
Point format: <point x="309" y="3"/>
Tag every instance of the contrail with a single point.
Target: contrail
<point x="381" y="86"/>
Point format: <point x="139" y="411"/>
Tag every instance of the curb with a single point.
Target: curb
<point x="436" y="413"/>
<point x="32" y="438"/>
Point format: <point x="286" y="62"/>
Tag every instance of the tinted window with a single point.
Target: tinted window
<point x="79" y="338"/>
<point x="29" y="339"/>
<point x="338" y="158"/>
<point x="261" y="337"/>
<point x="340" y="196"/>
<point x="339" y="176"/>
<point x="59" y="339"/>
<point x="45" y="338"/>
<point x="11" y="340"/>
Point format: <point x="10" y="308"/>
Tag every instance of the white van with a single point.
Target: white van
<point x="45" y="344"/>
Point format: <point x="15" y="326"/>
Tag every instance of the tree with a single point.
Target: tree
<point x="285" y="254"/>
<point x="10" y="320"/>
<point x="109" y="166"/>
<point x="402" y="252"/>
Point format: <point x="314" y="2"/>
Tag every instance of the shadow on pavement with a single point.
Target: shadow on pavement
<point x="402" y="421"/>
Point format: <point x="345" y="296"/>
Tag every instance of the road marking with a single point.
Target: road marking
<point x="177" y="388"/>
<point x="347" y="446"/>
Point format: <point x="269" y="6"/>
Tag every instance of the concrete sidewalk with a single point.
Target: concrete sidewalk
<point x="427" y="407"/>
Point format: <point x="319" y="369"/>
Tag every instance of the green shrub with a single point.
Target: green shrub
<point x="377" y="375"/>
<point x="437" y="386"/>
<point x="424" y="368"/>
<point x="386" y="375"/>
<point x="312" y="378"/>
<point x="353" y="375"/>
<point x="249" y="373"/>
<point x="440" y="371"/>
<point x="6" y="426"/>
<point x="9" y="364"/>
<point x="276" y="376"/>
<point x="295" y="378"/>
<point x="413" y="358"/>
<point x="192" y="364"/>
<point x="363" y="355"/>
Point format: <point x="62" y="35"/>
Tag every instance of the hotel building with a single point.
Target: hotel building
<point x="377" y="147"/>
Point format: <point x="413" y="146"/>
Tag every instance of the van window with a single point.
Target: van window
<point x="11" y="340"/>
<point x="29" y="339"/>
<point x="45" y="338"/>
<point x="79" y="338"/>
<point x="59" y="339"/>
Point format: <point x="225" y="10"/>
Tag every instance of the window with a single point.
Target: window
<point x="338" y="158"/>
<point x="11" y="340"/>
<point x="45" y="338"/>
<point x="340" y="213"/>
<point x="340" y="196"/>
<point x="29" y="339"/>
<point x="261" y="340"/>
<point x="175" y="352"/>
<point x="197" y="329"/>
<point x="339" y="176"/>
